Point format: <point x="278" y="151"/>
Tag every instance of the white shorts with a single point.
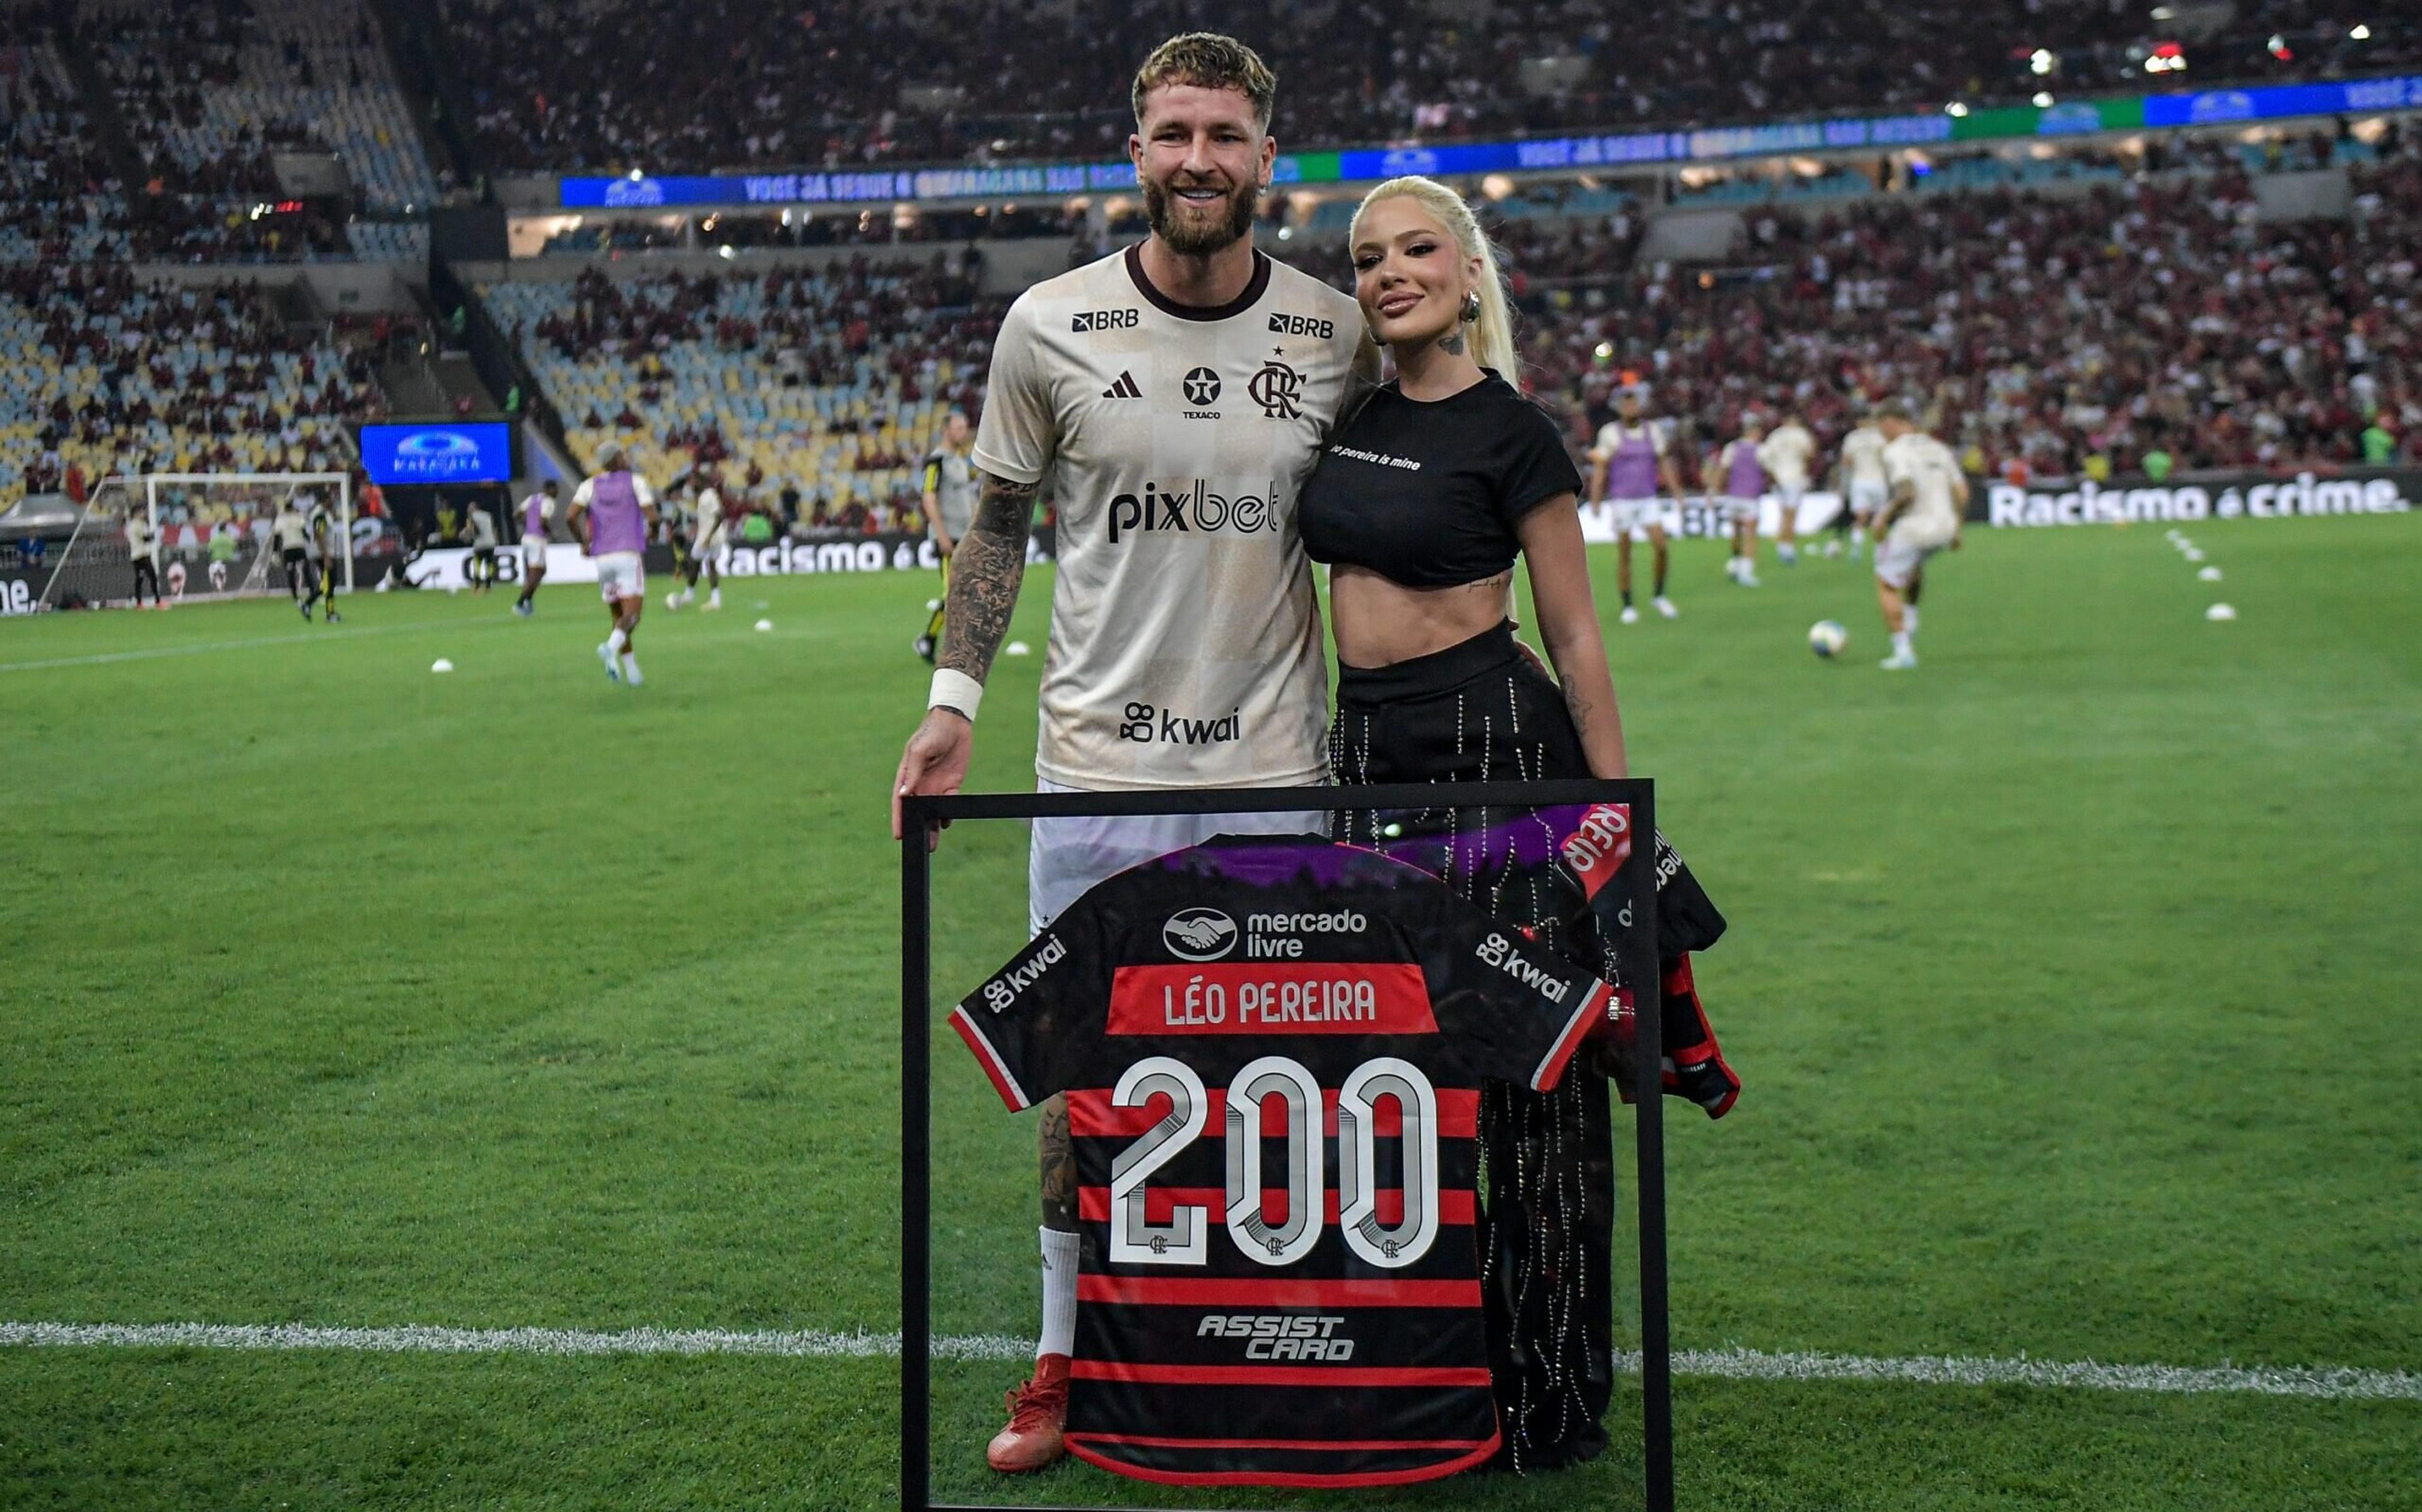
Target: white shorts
<point x="707" y="545"/>
<point x="533" y="553"/>
<point x="1866" y="498"/>
<point x="620" y="576"/>
<point x="1064" y="858"/>
<point x="1628" y="515"/>
<point x="1899" y="557"/>
<point x="1787" y="496"/>
<point x="1738" y="508"/>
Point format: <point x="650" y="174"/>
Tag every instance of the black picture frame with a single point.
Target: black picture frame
<point x="923" y="817"/>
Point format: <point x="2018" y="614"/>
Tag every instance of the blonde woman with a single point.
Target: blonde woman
<point x="1424" y="498"/>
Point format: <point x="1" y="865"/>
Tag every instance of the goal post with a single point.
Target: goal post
<point x="212" y="533"/>
<point x="94" y="567"/>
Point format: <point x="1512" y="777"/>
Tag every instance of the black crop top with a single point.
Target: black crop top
<point x="1429" y="495"/>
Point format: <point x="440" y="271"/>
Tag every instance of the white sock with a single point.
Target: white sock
<point x="1909" y="619"/>
<point x="1059" y="1294"/>
<point x="1858" y="535"/>
<point x="629" y="668"/>
<point x="618" y="639"/>
<point x="715" y="596"/>
<point x="1900" y="643"/>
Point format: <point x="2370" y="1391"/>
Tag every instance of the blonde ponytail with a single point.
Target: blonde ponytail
<point x="1492" y="333"/>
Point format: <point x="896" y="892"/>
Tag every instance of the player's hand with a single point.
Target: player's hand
<point x="936" y="761"/>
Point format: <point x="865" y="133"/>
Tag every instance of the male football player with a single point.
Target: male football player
<point x="709" y="534"/>
<point x="536" y="511"/>
<point x="1178" y="392"/>
<point x="322" y="543"/>
<point x="1786" y="454"/>
<point x="612" y="513"/>
<point x="1863" y="488"/>
<point x="143" y="554"/>
<point x="1626" y="465"/>
<point x="1737" y="475"/>
<point x="950" y="508"/>
<point x="1920" y="517"/>
<point x="480" y="529"/>
<point x="293" y="535"/>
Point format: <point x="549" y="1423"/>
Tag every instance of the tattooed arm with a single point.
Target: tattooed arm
<point x="985" y="573"/>
<point x="1560" y="590"/>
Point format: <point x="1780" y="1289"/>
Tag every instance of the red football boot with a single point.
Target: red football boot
<point x="1038" y="1413"/>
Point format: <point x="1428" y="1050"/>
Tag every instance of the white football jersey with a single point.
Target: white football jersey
<point x="1784" y="455"/>
<point x="1932" y="517"/>
<point x="709" y="511"/>
<point x="1186" y="641"/>
<point x="1863" y="455"/>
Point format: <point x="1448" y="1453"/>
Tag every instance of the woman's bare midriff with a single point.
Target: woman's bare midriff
<point x="1380" y="622"/>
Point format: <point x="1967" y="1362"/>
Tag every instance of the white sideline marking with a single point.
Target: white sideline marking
<point x="2325" y="1383"/>
<point x="2328" y="1385"/>
<point x="150" y="652"/>
<point x="811" y="1344"/>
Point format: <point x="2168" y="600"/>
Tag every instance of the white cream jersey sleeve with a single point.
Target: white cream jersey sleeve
<point x="1932" y="516"/>
<point x="1785" y="456"/>
<point x="1611" y="435"/>
<point x="1863" y="456"/>
<point x="586" y="494"/>
<point x="1185" y="640"/>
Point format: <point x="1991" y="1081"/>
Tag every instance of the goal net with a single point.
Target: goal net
<point x="214" y="536"/>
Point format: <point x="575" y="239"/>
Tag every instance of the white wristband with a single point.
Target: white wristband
<point x="955" y="690"/>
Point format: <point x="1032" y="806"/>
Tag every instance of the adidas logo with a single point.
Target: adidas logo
<point x="1124" y="389"/>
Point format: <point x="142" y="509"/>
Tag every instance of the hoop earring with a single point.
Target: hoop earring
<point x="1472" y="307"/>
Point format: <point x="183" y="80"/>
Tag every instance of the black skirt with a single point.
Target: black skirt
<point x="1482" y="711"/>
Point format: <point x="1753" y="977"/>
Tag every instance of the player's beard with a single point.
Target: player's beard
<point x="1198" y="241"/>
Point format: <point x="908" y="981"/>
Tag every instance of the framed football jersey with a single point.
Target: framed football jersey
<point x="1273" y="1052"/>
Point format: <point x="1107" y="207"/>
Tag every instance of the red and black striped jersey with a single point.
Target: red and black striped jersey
<point x="1272" y="1050"/>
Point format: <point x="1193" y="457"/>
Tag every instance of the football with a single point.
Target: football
<point x="1827" y="637"/>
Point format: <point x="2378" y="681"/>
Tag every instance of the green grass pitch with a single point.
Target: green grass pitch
<point x="2073" y="979"/>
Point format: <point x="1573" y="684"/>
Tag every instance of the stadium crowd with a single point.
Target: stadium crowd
<point x="209" y="92"/>
<point x="821" y="388"/>
<point x="103" y="373"/>
<point x="2151" y="325"/>
<point x="688" y="86"/>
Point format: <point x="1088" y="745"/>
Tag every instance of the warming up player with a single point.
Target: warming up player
<point x="950" y="508"/>
<point x="143" y="554"/>
<point x="1786" y="454"/>
<point x="1920" y="517"/>
<point x="612" y="513"/>
<point x="322" y="545"/>
<point x="480" y="529"/>
<point x="536" y="511"/>
<point x="1626" y="466"/>
<point x="708" y="535"/>
<point x="1739" y="479"/>
<point x="292" y="534"/>
<point x="1178" y="392"/>
<point x="1863" y="488"/>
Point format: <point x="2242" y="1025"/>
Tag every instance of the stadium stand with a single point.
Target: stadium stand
<point x="2050" y="336"/>
<point x="58" y="197"/>
<point x="675" y="85"/>
<point x="829" y="381"/>
<point x="102" y="372"/>
<point x="210" y="91"/>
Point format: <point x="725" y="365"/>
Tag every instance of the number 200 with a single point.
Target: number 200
<point x="1182" y="1239"/>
